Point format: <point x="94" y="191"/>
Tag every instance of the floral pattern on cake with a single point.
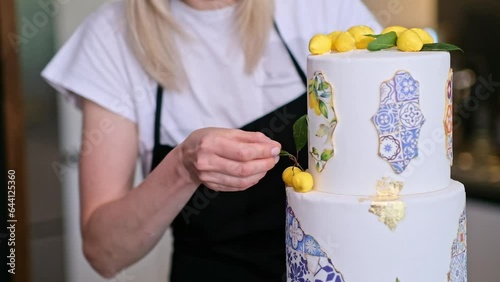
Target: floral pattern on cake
<point x="458" y="264"/>
<point x="399" y="120"/>
<point x="321" y="104"/>
<point x="306" y="261"/>
<point x="448" y="117"/>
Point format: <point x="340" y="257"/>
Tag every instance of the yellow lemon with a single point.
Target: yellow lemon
<point x="333" y="36"/>
<point x="320" y="44"/>
<point x="345" y="42"/>
<point x="314" y="104"/>
<point x="288" y="174"/>
<point x="359" y="32"/>
<point x="396" y="28"/>
<point x="424" y="35"/>
<point x="302" y="182"/>
<point x="409" y="41"/>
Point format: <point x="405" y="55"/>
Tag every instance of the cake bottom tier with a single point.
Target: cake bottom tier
<point x="413" y="238"/>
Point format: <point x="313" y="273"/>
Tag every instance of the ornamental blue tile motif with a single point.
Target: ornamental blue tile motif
<point x="458" y="264"/>
<point x="306" y="261"/>
<point x="399" y="120"/>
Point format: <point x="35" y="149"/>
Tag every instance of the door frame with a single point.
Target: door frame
<point x="13" y="139"/>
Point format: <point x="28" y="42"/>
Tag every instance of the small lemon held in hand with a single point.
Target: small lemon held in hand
<point x="424" y="35"/>
<point x="359" y="32"/>
<point x="345" y="42"/>
<point x="302" y="182"/>
<point x="320" y="44"/>
<point x="288" y="174"/>
<point x="396" y="28"/>
<point x="409" y="41"/>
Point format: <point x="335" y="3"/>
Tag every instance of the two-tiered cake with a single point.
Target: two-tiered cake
<point x="383" y="208"/>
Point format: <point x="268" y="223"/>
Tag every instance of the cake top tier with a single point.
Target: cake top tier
<point x="379" y="117"/>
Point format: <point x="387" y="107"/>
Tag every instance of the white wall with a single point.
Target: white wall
<point x="152" y="268"/>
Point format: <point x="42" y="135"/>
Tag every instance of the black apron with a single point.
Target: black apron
<point x="236" y="236"/>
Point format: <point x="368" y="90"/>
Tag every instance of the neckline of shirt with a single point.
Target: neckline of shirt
<point x="206" y="15"/>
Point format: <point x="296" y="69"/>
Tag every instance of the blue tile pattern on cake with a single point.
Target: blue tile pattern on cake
<point x="458" y="264"/>
<point x="399" y="120"/>
<point x="306" y="261"/>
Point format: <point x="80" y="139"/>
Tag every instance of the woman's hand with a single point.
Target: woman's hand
<point x="228" y="159"/>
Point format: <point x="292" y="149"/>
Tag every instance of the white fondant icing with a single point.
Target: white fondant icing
<point x="356" y="78"/>
<point x="363" y="249"/>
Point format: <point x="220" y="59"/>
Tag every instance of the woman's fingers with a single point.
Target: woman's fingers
<point x="241" y="146"/>
<point x="206" y="165"/>
<point x="229" y="183"/>
<point x="228" y="159"/>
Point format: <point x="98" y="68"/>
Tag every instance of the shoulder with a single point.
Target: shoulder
<point x="97" y="63"/>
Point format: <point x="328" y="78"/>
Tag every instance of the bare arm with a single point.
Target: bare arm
<point x="121" y="225"/>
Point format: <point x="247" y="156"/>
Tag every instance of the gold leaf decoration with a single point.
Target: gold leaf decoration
<point x="386" y="204"/>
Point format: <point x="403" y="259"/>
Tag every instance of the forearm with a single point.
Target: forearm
<point x="121" y="232"/>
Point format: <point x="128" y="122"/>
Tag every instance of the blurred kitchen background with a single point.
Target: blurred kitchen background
<point x="52" y="132"/>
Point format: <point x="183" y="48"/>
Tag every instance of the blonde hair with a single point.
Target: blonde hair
<point x="151" y="29"/>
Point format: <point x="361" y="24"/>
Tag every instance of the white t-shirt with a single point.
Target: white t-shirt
<point x="96" y="63"/>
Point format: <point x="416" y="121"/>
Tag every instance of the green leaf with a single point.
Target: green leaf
<point x="323" y="108"/>
<point x="383" y="41"/>
<point x="324" y="85"/>
<point x="318" y="166"/>
<point x="441" y="47"/>
<point x="284" y="153"/>
<point x="300" y="132"/>
<point x="315" y="151"/>
<point x="397" y="280"/>
<point x="325" y="95"/>
<point x="326" y="155"/>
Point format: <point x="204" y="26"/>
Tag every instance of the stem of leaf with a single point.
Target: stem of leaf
<point x="291" y="157"/>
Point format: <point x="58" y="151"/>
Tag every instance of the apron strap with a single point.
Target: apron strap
<point x="292" y="57"/>
<point x="159" y="100"/>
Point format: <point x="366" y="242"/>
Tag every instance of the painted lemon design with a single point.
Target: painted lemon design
<point x="409" y="41"/>
<point x="314" y="103"/>
<point x="424" y="35"/>
<point x="302" y="182"/>
<point x="345" y="42"/>
<point x="396" y="28"/>
<point x="359" y="32"/>
<point x="320" y="44"/>
<point x="288" y="174"/>
<point x="333" y="37"/>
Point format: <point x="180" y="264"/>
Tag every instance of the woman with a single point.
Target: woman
<point x="205" y="92"/>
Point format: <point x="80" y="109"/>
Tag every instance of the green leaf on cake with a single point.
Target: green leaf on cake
<point x="324" y="85"/>
<point x="326" y="94"/>
<point x="315" y="151"/>
<point x="326" y="155"/>
<point x="300" y="132"/>
<point x="441" y="47"/>
<point x="383" y="41"/>
<point x="323" y="108"/>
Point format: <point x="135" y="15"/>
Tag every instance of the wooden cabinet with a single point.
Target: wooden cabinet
<point x="12" y="145"/>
